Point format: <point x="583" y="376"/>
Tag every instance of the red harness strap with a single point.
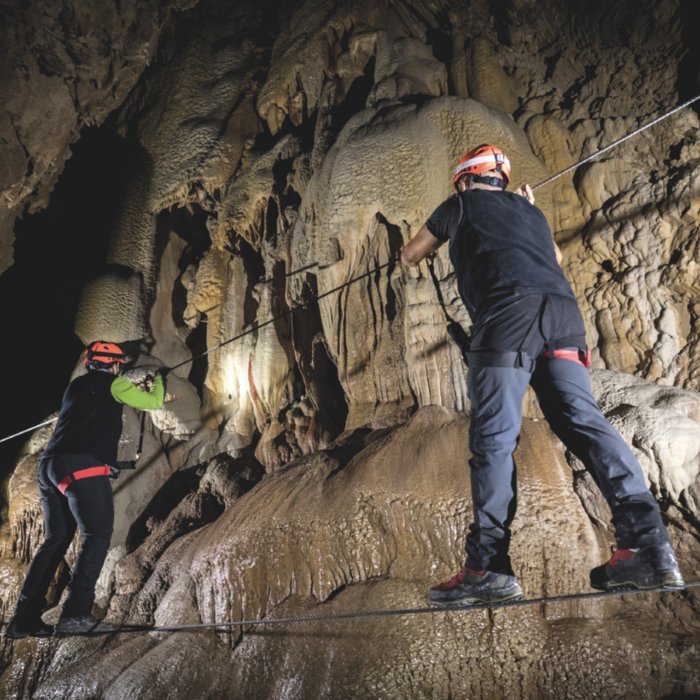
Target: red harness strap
<point x="579" y="356"/>
<point x="64" y="483"/>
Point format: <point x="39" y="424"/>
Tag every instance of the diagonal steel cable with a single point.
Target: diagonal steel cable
<point x="283" y="315"/>
<point x="617" y="142"/>
<point x="253" y="329"/>
<point x="249" y="331"/>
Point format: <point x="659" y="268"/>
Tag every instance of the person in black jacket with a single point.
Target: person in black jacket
<point x="527" y="329"/>
<point x="75" y="491"/>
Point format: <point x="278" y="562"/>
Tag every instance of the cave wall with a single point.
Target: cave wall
<point x="331" y="156"/>
<point x="315" y="145"/>
<point x="65" y="66"/>
<point x="278" y="154"/>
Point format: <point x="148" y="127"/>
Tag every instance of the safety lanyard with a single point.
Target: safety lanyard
<point x="457" y="333"/>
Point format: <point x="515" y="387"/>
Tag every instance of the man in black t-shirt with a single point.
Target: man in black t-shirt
<point x="527" y="330"/>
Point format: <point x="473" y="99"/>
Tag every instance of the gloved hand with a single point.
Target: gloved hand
<point x="148" y="381"/>
<point x="114" y="473"/>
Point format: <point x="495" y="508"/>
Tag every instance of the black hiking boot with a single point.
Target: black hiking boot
<point x="654" y="566"/>
<point x="472" y="587"/>
<point x="21" y="626"/>
<point x="82" y="624"/>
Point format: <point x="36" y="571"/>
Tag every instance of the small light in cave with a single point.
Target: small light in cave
<point x="236" y="377"/>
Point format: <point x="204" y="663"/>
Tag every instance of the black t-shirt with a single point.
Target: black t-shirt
<point x="500" y="246"/>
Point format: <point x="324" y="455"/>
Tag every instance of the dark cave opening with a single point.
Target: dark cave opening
<point x="395" y="244"/>
<point x="255" y="271"/>
<point x="56" y="252"/>
<point x="318" y="371"/>
<point x="355" y="99"/>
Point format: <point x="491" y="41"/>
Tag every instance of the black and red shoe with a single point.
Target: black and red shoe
<point x="474" y="587"/>
<point x="654" y="566"/>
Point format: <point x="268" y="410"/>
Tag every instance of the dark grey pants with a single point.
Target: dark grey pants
<point x="564" y="393"/>
<point x="88" y="506"/>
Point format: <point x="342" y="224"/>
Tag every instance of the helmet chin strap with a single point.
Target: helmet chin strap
<point x="100" y="366"/>
<point x="488" y="180"/>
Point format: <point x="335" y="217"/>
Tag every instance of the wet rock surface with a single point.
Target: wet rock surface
<point x="311" y="455"/>
<point x="369" y="524"/>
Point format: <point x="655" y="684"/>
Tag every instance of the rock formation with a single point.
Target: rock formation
<point x="311" y="457"/>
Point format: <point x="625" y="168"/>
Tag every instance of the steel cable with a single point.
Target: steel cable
<point x="388" y="612"/>
<point x="622" y="139"/>
<point x="380" y="267"/>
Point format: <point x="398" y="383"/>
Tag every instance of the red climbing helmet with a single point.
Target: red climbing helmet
<point x="104" y="352"/>
<point x="480" y="160"/>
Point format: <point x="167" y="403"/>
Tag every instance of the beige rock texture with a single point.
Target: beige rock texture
<point x="311" y="456"/>
<point x="64" y="66"/>
<point x="367" y="525"/>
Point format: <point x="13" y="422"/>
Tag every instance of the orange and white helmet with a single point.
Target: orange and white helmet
<point x="104" y="352"/>
<point x="480" y="160"/>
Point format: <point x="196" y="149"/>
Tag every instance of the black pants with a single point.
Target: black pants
<point x="535" y="324"/>
<point x="88" y="506"/>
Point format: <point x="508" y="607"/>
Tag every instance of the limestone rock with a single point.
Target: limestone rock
<point x="65" y="66"/>
<point x="282" y="157"/>
<point x="368" y="524"/>
<point x="663" y="425"/>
